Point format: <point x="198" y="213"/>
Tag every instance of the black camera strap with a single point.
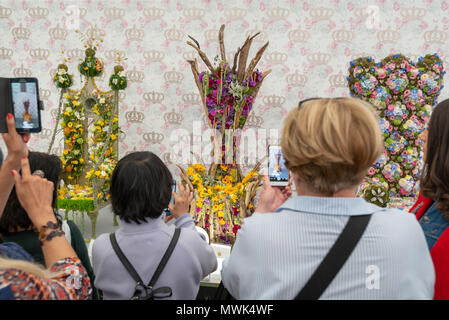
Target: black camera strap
<point x="163" y="292"/>
<point x="335" y="258"/>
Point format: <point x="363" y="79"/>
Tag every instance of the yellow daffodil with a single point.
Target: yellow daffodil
<point x="226" y="180"/>
<point x="199" y="168"/>
<point x="220" y="214"/>
<point x="224" y="167"/>
<point x="222" y="222"/>
<point x="113" y="137"/>
<point x="69" y="124"/>
<point x="190" y="171"/>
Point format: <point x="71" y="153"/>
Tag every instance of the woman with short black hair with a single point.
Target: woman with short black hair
<point x="141" y="188"/>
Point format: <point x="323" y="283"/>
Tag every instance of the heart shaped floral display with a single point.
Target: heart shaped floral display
<point x="403" y="93"/>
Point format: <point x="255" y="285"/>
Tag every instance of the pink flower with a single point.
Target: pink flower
<point x="390" y="107"/>
<point x="371" y="171"/>
<point x="407" y="92"/>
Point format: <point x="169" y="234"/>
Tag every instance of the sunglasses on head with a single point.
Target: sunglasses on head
<point x="311" y="99"/>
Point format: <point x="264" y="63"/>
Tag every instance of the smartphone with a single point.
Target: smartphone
<point x="173" y="187"/>
<point x="20" y="96"/>
<point x="277" y="171"/>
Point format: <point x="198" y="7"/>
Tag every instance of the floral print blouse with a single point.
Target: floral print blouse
<point x="70" y="283"/>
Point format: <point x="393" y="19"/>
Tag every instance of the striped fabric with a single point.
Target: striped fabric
<point x="276" y="253"/>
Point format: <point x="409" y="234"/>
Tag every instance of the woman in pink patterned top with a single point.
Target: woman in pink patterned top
<point x="65" y="277"/>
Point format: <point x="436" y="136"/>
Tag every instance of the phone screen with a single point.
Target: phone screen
<point x="173" y="187"/>
<point x="24" y="96"/>
<point x="277" y="171"/>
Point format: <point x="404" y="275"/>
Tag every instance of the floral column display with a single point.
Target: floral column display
<point x="223" y="196"/>
<point x="89" y="122"/>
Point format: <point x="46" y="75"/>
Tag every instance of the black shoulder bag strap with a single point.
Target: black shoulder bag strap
<point x="335" y="258"/>
<point x="150" y="293"/>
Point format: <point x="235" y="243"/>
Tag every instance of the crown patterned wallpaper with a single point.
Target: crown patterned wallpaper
<point x="311" y="44"/>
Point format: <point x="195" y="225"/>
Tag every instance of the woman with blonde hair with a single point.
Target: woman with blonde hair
<point x="65" y="277"/>
<point x="324" y="242"/>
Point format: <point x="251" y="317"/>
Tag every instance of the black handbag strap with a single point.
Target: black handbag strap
<point x="129" y="267"/>
<point x="335" y="258"/>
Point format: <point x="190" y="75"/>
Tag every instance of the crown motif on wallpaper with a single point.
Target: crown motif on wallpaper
<point x="5" y="53"/>
<point x="5" y="12"/>
<point x="338" y="80"/>
<point x="114" y="13"/>
<point x="361" y="13"/>
<point x="121" y="95"/>
<point x="173" y="117"/>
<point x="276" y="57"/>
<point x="134" y="116"/>
<point x="254" y="121"/>
<point x="58" y="33"/>
<point x="167" y="157"/>
<point x="95" y="32"/>
<point x="134" y="34"/>
<point x="122" y="136"/>
<point x="194" y="13"/>
<point x="21" y="32"/>
<point x="319" y="58"/>
<point x="135" y="75"/>
<point x="190" y="55"/>
<point x="274" y="101"/>
<point x="435" y="36"/>
<point x="153" y="137"/>
<point x="262" y="37"/>
<point x="154" y="13"/>
<point x="298" y="35"/>
<point x="57" y="150"/>
<point x="83" y="12"/>
<point x="39" y="53"/>
<point x="38" y="13"/>
<point x="189" y="138"/>
<point x="173" y="34"/>
<point x="114" y="55"/>
<point x="413" y="13"/>
<point x="173" y="76"/>
<point x="45" y="133"/>
<point x="388" y="35"/>
<point x="321" y="13"/>
<point x="343" y="35"/>
<point x="74" y="54"/>
<point x="154" y="55"/>
<point x="54" y="113"/>
<point x="296" y="79"/>
<point x="277" y="13"/>
<point x="52" y="72"/>
<point x="211" y="35"/>
<point x="44" y="94"/>
<point x="21" y="72"/>
<point x="234" y="14"/>
<point x="153" y="97"/>
<point x="191" y="98"/>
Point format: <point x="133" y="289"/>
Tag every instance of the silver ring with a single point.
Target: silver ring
<point x="39" y="173"/>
